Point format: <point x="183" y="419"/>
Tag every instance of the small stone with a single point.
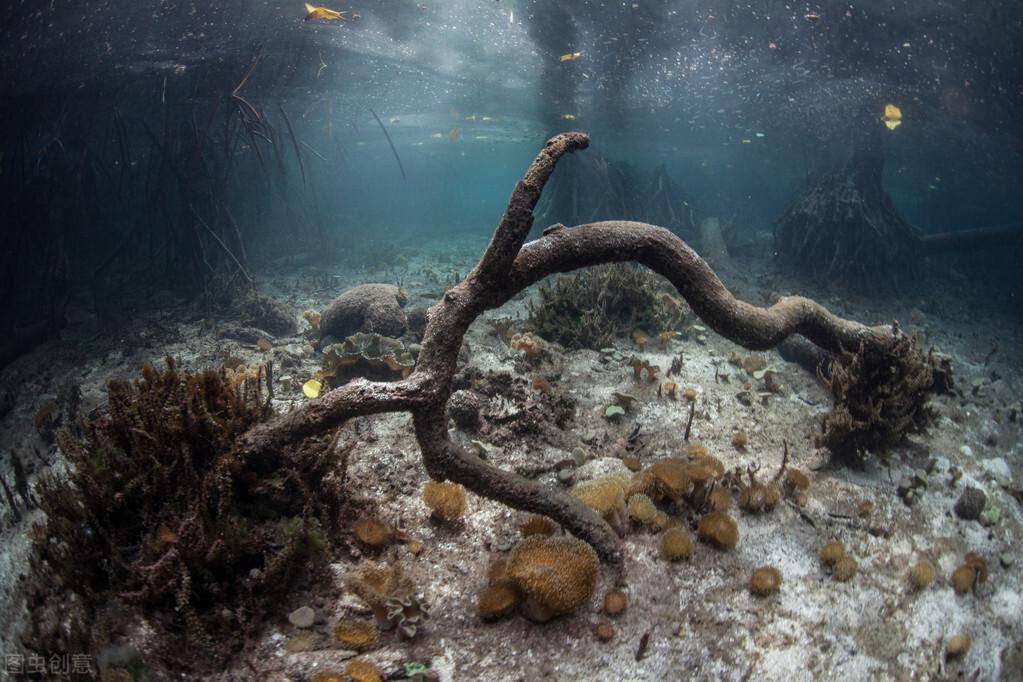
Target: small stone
<point x="970" y="504"/>
<point x="566" y="475"/>
<point x="302" y="617"/>
<point x="959" y="645"/>
<point x="1006" y="559"/>
<point x="966" y="451"/>
<point x="581" y="456"/>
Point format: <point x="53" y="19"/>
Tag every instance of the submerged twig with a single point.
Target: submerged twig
<point x="689" y="422"/>
<point x="220" y="241"/>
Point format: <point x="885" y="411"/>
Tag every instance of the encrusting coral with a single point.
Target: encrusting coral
<point x="181" y="524"/>
<point x="508" y="266"/>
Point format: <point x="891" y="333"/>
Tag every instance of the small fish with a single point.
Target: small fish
<point x="760" y="134"/>
<point x="746" y="140"/>
<point x="395" y="119"/>
<point x="453" y="135"/>
<point x="892" y="116"/>
<point x="812" y="17"/>
<point x="179" y="69"/>
<point x="487" y="118"/>
<point x="436" y="136"/>
<point x="481" y="137"/>
<point x="312" y="388"/>
<point x="568" y="117"/>
<point x="571" y="56"/>
<point x="322" y="14"/>
<point x="471" y="118"/>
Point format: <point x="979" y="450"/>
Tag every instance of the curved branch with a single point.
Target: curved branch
<point x="663" y="252"/>
<point x="357" y="398"/>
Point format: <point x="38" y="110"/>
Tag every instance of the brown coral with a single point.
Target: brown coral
<point x="642" y="509"/>
<point x="498" y="600"/>
<point x="363" y="671"/>
<point x="676" y="544"/>
<point x="556" y="574"/>
<point x="357" y="634"/>
<point x="831" y="552"/>
<point x="845" y="569"/>
<point x="719" y="529"/>
<point x="765" y="580"/>
<point x="445" y="500"/>
<point x="538" y="524"/>
<point x="372" y="533"/>
<point x="605" y="495"/>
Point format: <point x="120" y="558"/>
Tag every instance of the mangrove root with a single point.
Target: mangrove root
<point x="507" y="267"/>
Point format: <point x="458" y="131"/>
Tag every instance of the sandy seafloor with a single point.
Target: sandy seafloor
<point x="701" y="620"/>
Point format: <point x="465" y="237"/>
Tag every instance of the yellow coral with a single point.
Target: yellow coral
<point x="669" y="478"/>
<point x="372" y="533"/>
<point x="642" y="509"/>
<point x="363" y="671"/>
<point x="557" y="574"/>
<point x="605" y="495"/>
<point x="357" y="634"/>
<point x="719" y="529"/>
<point x="676" y="543"/>
<point x="445" y="500"/>
<point x="538" y="525"/>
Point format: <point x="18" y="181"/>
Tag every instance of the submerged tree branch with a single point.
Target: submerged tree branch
<point x="505" y="269"/>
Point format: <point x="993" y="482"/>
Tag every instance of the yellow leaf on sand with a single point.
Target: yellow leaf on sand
<point x="322" y="13"/>
<point x="312" y="388"/>
<point x="892" y="116"/>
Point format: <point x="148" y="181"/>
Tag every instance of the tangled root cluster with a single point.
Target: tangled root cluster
<point x="591" y="308"/>
<point x="880" y="399"/>
<point x="158" y="514"/>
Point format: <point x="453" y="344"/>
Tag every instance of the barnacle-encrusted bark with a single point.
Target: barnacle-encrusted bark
<point x="507" y="267"/>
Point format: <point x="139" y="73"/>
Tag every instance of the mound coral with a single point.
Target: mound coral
<point x="972" y="572"/>
<point x="497" y="601"/>
<point x="445" y="500"/>
<point x="845" y="569"/>
<point x="719" y="529"/>
<point x="556" y="574"/>
<point x="605" y="495"/>
<point x="363" y="671"/>
<point x="642" y="509"/>
<point x="357" y="634"/>
<point x="367" y="308"/>
<point x="538" y="525"/>
<point x="615" y="602"/>
<point x="765" y="580"/>
<point x="922" y="574"/>
<point x="831" y="552"/>
<point x="676" y="544"/>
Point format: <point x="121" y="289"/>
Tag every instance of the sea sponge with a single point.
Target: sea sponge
<point x="845" y="568"/>
<point x="832" y="552"/>
<point x="363" y="671"/>
<point x="719" y="529"/>
<point x="605" y="632"/>
<point x="765" y="580"/>
<point x="357" y="634"/>
<point x="604" y="495"/>
<point x="445" y="500"/>
<point x="615" y="602"/>
<point x="313" y="318"/>
<point x="557" y="574"/>
<point x="668" y="479"/>
<point x="498" y="600"/>
<point x="642" y="509"/>
<point x="676" y="544"/>
<point x="922" y="574"/>
<point x="538" y="524"/>
<point x="372" y="533"/>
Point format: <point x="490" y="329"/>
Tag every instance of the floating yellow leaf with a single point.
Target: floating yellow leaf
<point x="322" y="13"/>
<point x="571" y="56"/>
<point x="892" y="116"/>
<point x="453" y="135"/>
<point x="312" y="388"/>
